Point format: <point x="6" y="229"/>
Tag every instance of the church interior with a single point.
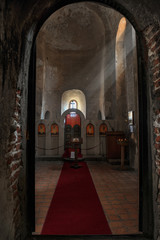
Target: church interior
<point x="80" y="120"/>
<point x="86" y="88"/>
<point x="89" y="66"/>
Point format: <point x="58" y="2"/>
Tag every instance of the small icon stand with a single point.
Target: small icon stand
<point x="75" y="142"/>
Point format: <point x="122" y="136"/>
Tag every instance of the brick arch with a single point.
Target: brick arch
<point x="152" y="60"/>
<point x="144" y="155"/>
<point x="120" y="7"/>
<point x="148" y="53"/>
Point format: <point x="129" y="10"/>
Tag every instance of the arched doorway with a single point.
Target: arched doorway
<point x="18" y="55"/>
<point x="98" y="95"/>
<point x="72" y="129"/>
<point x="97" y="83"/>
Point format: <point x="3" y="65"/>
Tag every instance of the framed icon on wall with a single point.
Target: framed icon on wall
<point x="90" y="130"/>
<point x="41" y="129"/>
<point x="54" y="129"/>
<point x="103" y="129"/>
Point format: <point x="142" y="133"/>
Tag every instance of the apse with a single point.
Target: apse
<point x="76" y="95"/>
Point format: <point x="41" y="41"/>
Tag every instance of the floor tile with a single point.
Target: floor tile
<point x="117" y="191"/>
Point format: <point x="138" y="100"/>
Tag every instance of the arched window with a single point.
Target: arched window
<point x="99" y="115"/>
<point x="47" y="115"/>
<point x="73" y="99"/>
<point x="73" y="104"/>
<point x="121" y="71"/>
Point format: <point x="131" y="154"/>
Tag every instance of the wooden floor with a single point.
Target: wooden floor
<point x="117" y="190"/>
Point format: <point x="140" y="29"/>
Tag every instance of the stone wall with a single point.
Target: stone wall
<point x="10" y="171"/>
<point x="152" y="37"/>
<point x="14" y="161"/>
<point x="14" y="69"/>
<point x="10" y="126"/>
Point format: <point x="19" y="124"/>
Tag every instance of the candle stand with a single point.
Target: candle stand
<point x="122" y="143"/>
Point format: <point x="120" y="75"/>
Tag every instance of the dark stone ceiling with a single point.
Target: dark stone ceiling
<point x="80" y="26"/>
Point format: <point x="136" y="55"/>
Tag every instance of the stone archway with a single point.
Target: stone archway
<point x="146" y="24"/>
<point x="60" y="144"/>
<point x="147" y="207"/>
<point x="143" y="201"/>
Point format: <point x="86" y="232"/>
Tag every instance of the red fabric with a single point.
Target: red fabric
<point x="75" y="208"/>
<point x="73" y="120"/>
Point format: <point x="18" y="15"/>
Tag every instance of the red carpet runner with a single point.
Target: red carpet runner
<point x="75" y="208"/>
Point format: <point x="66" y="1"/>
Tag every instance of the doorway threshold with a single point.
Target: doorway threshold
<point x="90" y="237"/>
